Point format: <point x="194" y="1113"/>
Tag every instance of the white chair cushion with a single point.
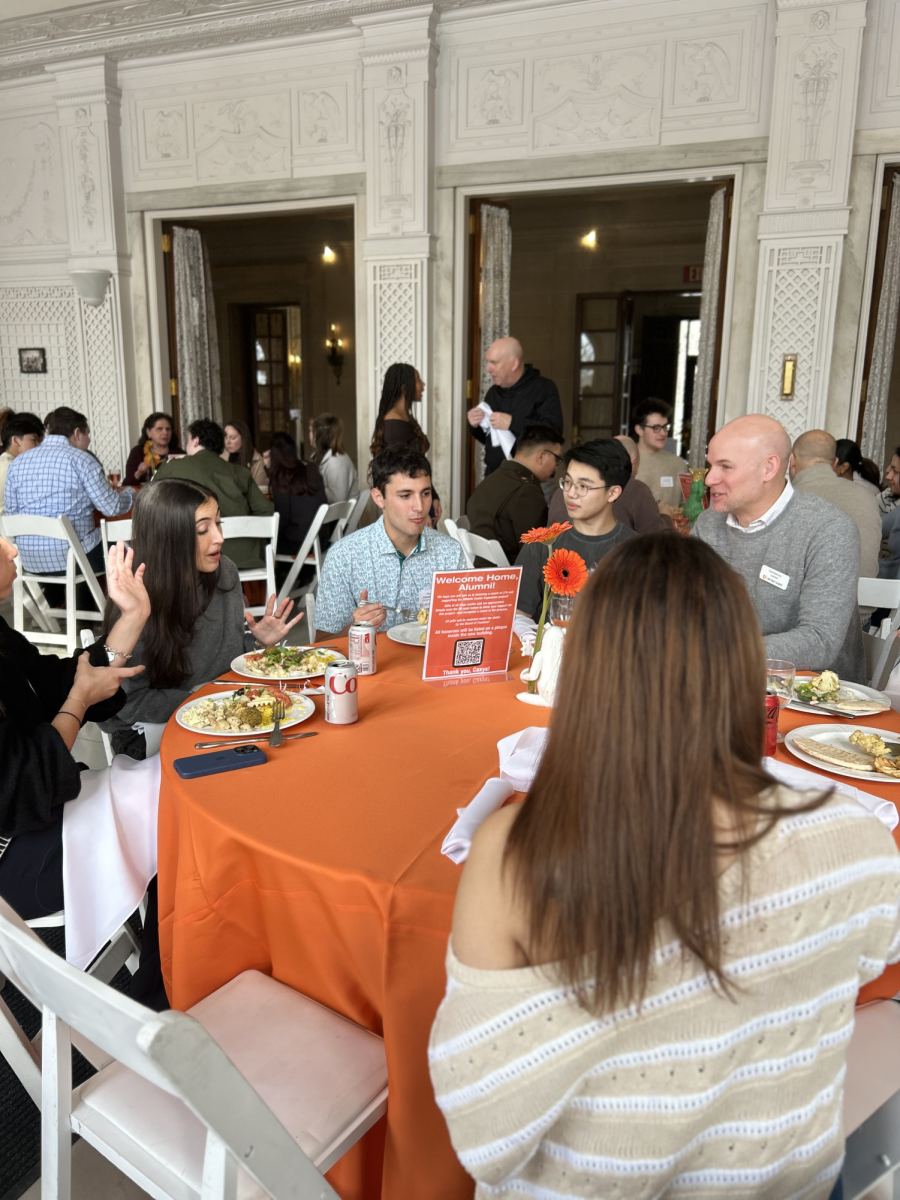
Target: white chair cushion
<point x="315" y="1070"/>
<point x="873" y="1062"/>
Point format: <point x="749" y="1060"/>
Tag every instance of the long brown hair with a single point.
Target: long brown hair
<point x="288" y="473"/>
<point x="399" y="381"/>
<point x="328" y="434"/>
<point x="245" y="454"/>
<point x="660" y="707"/>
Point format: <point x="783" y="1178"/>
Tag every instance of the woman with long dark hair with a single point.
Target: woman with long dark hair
<point x="157" y="441"/>
<point x="297" y="492"/>
<point x="326" y="433"/>
<point x="396" y="424"/>
<point x="239" y="449"/>
<point x="655" y="957"/>
<point x="852" y="466"/>
<point x="196" y="626"/>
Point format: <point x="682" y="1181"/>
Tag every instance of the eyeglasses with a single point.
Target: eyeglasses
<point x="659" y="428"/>
<point x="579" y="489"/>
<point x="558" y="457"/>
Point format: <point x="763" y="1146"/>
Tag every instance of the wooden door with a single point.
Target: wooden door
<point x="269" y="383"/>
<point x="600" y="325"/>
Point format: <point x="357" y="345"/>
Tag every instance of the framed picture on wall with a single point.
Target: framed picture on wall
<point x="33" y="361"/>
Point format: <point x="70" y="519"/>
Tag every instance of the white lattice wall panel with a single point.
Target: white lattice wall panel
<point x="396" y="289"/>
<point x="104" y="385"/>
<point x="45" y="317"/>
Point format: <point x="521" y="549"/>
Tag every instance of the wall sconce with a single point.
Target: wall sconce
<point x="334" y="356"/>
<point x="590" y="240"/>
<point x="294" y="360"/>
<point x="788" y="376"/>
<point x="91" y="286"/>
<point x="328" y="255"/>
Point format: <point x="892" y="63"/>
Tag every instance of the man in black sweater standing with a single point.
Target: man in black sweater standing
<point x="519" y="396"/>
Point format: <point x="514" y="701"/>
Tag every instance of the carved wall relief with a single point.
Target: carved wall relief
<point x="708" y="72"/>
<point x="494" y="95"/>
<point x="816" y="73"/>
<point x="87" y="177"/>
<point x="883" y="61"/>
<point x="323" y="116"/>
<point x="32" y="202"/>
<point x="243" y="138"/>
<point x="165" y="136"/>
<point x="395" y="124"/>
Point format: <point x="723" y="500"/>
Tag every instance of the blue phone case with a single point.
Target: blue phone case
<point x="218" y="761"/>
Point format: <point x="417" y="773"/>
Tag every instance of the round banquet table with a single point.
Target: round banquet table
<point x="323" y="869"/>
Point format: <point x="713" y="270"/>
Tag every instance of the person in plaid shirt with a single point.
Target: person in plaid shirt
<point x="59" y="478"/>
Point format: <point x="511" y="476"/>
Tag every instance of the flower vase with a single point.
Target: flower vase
<point x="693" y="506"/>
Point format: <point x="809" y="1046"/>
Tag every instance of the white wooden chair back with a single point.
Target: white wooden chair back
<point x="881" y="646"/>
<point x="359" y="508"/>
<point x="451" y="528"/>
<point x="340" y="514"/>
<point x="262" y="528"/>
<point x="474" y="546"/>
<point x="298" y="561"/>
<point x="114" y="531"/>
<point x="172" y="1051"/>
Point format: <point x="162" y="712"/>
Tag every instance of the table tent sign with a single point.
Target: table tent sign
<point x="470" y="624"/>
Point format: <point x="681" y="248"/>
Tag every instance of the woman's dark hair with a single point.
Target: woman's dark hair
<point x="245" y="454"/>
<point x="164" y="536"/>
<point x="618" y="835"/>
<point x="397" y="460"/>
<point x="288" y="473"/>
<point x="399" y="381"/>
<point x="328" y="434"/>
<point x="174" y="448"/>
<point x="847" y="451"/>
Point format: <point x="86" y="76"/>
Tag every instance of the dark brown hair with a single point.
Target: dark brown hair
<point x="660" y="707"/>
<point x="399" y="381"/>
<point x="245" y="454"/>
<point x="288" y="473"/>
<point x="174" y="448"/>
<point x="328" y="434"/>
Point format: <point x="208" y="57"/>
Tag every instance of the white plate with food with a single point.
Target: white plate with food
<point x="412" y="633"/>
<point x="285" y="662"/>
<point x="245" y="712"/>
<point x="848" y="750"/>
<point x="827" y="693"/>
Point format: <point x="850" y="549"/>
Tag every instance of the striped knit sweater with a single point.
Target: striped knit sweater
<point x="696" y="1095"/>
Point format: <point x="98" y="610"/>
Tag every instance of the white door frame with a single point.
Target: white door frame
<point x="156" y="292"/>
<point x="461" y="278"/>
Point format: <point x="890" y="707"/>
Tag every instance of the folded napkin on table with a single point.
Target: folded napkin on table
<point x="504" y="438"/>
<point x="804" y="781"/>
<point x="109" y="852"/>
<point x="519" y="757"/>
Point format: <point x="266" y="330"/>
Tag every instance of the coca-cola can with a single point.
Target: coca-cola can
<point x="363" y="652"/>
<point x="341" y="701"/>
<point x="772" y="710"/>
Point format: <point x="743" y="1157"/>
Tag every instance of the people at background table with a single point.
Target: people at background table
<point x="156" y="443"/>
<point x="813" y="469"/>
<point x="196" y="624"/>
<point x="890" y="495"/>
<point x="519" y="395"/>
<point x="635" y="508"/>
<point x="240" y="451"/>
<point x="326" y="436"/>
<point x="5" y="414"/>
<point x="851" y="465"/>
<point x="510" y="501"/>
<point x="21" y="432"/>
<point x="436" y="511"/>
<point x="59" y="477"/>
<point x="594" y="475"/>
<point x="392" y="561"/>
<point x="233" y="485"/>
<point x="798" y="553"/>
<point x="297" y="493"/>
<point x="654" y="958"/>
<point x="396" y="423"/>
<point x="658" y="467"/>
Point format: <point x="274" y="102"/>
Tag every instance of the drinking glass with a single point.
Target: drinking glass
<point x="114" y="478"/>
<point x="561" y="609"/>
<point x="780" y="683"/>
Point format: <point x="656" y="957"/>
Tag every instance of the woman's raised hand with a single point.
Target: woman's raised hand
<point x="126" y="587"/>
<point x="93" y="684"/>
<point x="270" y="629"/>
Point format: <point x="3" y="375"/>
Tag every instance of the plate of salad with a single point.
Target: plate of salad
<point x="285" y="662"/>
<point x="827" y="693"/>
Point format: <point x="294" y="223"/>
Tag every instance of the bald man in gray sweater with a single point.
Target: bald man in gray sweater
<point x="798" y="553"/>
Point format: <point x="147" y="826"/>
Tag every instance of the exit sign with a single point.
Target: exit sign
<point x="692" y="274"/>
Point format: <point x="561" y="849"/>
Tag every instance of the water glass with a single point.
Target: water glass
<point x="561" y="609"/>
<point x="780" y="682"/>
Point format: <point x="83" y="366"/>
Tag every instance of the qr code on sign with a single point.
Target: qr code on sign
<point x="468" y="653"/>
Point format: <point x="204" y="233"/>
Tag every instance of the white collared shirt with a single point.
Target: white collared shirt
<point x="768" y="517"/>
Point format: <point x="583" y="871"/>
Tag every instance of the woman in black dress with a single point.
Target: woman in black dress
<point x="298" y="492"/>
<point x="395" y="424"/>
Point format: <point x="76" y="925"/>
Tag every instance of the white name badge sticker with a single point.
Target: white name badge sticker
<point x="777" y="578"/>
<point x="424" y="597"/>
<point x="667" y="481"/>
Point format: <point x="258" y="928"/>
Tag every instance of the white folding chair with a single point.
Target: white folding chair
<point x="475" y="546"/>
<point x="339" y="513"/>
<point x="114" y="531"/>
<point x="872" y="1100"/>
<point x="451" y="528"/>
<point x="882" y="646"/>
<point x="256" y="527"/>
<point x="78" y="570"/>
<point x="359" y="508"/>
<point x="305" y="556"/>
<point x="256" y="1080"/>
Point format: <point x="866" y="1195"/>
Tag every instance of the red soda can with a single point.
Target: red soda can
<point x="363" y="652"/>
<point x="341" y="702"/>
<point x="773" y="708"/>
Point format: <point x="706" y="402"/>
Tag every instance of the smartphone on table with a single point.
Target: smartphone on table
<point x="217" y="762"/>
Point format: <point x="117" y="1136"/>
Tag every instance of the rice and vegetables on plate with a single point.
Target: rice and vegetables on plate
<point x="247" y="710"/>
<point x="293" y="661"/>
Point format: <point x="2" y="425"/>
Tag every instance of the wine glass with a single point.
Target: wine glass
<point x="780" y="683"/>
<point x="561" y="609"/>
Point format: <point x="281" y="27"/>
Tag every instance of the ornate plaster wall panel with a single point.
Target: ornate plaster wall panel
<point x="46" y="317"/>
<point x="881" y="74"/>
<point x="714" y="75"/>
<point x="163" y="140"/>
<point x="328" y="118"/>
<point x="396" y="291"/>
<point x="32" y="202"/>
<point x="104" y="385"/>
<point x="243" y="137"/>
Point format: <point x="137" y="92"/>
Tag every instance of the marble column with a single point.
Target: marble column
<point x="805" y="215"/>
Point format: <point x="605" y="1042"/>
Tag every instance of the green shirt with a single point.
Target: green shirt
<point x="506" y="504"/>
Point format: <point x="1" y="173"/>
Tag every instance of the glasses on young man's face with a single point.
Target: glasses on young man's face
<point x="579" y="489"/>
<point x="659" y="428"/>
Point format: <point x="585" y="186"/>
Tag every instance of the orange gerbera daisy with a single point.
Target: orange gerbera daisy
<point x="565" y="572"/>
<point x="545" y="536"/>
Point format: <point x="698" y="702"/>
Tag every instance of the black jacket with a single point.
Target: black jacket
<point x="296" y="513"/>
<point x="38" y="774"/>
<point x="532" y="400"/>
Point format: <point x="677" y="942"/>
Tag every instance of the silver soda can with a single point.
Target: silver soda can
<point x="341" y="702"/>
<point x="363" y="652"/>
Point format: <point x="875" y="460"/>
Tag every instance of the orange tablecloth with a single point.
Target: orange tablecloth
<point x="323" y="868"/>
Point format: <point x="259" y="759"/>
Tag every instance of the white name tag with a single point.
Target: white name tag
<point x="424" y="597"/>
<point x="777" y="578"/>
<point x="667" y="481"/>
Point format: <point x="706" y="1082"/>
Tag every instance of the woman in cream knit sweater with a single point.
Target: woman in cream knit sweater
<point x="655" y="958"/>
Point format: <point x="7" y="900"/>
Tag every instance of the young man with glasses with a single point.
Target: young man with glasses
<point x="594" y="476"/>
<point x="658" y="467"/>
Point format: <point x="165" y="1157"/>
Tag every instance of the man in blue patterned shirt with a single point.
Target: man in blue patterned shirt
<point x="59" y="478"/>
<point x="390" y="562"/>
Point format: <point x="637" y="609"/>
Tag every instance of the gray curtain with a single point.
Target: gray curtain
<point x="496" y="256"/>
<point x="709" y="310"/>
<point x="199" y="384"/>
<point x="875" y="417"/>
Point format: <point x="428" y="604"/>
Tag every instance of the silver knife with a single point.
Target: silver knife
<point x="249" y="741"/>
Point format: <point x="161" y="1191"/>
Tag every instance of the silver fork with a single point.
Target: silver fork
<point x="277" y="717"/>
<point x="408" y="614"/>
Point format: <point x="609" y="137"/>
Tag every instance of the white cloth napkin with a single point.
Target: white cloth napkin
<point x="803" y="781"/>
<point x="109" y="852"/>
<point x="504" y="438"/>
<point x="520" y="754"/>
